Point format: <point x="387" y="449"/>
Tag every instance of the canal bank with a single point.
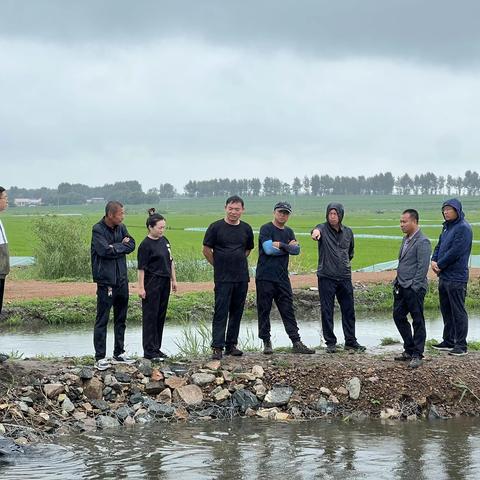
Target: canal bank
<point x="43" y="399"/>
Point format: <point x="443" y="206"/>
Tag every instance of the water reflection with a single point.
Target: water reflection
<point x="256" y="449"/>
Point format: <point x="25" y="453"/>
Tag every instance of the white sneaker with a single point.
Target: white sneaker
<point x="122" y="358"/>
<point x="102" y="364"/>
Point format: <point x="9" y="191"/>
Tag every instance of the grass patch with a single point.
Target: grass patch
<point x="389" y="341"/>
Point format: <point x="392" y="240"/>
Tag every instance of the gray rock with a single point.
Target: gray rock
<point x="278" y="396"/>
<point x="189" y="395"/>
<point x="178" y="369"/>
<point x="135" y="398"/>
<point x="203" y="378"/>
<point x="433" y="413"/>
<point x="322" y="405"/>
<point x="123" y="377"/>
<point x="100" y="405"/>
<point x="27" y="400"/>
<point x="144" y="418"/>
<point x="353" y="387"/>
<point x="153" y="388"/>
<point x="93" y="389"/>
<point x="85" y="373"/>
<point x="123" y="412"/>
<point x="23" y="406"/>
<point x="52" y="390"/>
<point x="244" y="399"/>
<point x="9" y="447"/>
<point x="68" y="406"/>
<point x="161" y="410"/>
<point x="144" y="366"/>
<point x="107" y="422"/>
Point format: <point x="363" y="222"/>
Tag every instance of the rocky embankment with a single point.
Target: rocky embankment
<point x="42" y="398"/>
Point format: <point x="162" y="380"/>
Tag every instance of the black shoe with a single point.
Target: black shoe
<point x="217" y="354"/>
<point x="267" y="347"/>
<point x="233" y="351"/>
<point x="3" y="357"/>
<point x="444" y="347"/>
<point x="403" y="357"/>
<point x="162" y="355"/>
<point x="355" y="348"/>
<point x="458" y="352"/>
<point x="415" y="362"/>
<point x="300" y="347"/>
<point x="331" y="349"/>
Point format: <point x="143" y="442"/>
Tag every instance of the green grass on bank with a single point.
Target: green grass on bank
<point x="196" y="307"/>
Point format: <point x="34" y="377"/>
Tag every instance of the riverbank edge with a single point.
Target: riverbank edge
<point x="42" y="399"/>
<point x="196" y="306"/>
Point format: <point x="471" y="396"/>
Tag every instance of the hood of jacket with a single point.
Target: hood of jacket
<point x="338" y="207"/>
<point x="457" y="205"/>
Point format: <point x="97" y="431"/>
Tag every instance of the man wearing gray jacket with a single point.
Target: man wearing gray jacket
<point x="4" y="256"/>
<point x="410" y="287"/>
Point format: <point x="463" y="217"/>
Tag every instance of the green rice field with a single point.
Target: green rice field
<point x="367" y="215"/>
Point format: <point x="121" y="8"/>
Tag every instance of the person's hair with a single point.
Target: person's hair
<point x="112" y="207"/>
<point x="234" y="199"/>
<point x="153" y="218"/>
<point x="1" y="190"/>
<point x="413" y="213"/>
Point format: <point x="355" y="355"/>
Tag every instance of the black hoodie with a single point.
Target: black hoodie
<point x="335" y="249"/>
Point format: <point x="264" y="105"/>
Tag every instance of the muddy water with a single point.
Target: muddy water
<point x="257" y="449"/>
<point x="78" y="340"/>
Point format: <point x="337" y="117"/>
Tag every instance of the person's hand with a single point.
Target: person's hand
<point x="316" y="234"/>
<point x="126" y="240"/>
<point x="142" y="293"/>
<point x="174" y="286"/>
<point x="276" y="245"/>
<point x="435" y="267"/>
<point x="293" y="242"/>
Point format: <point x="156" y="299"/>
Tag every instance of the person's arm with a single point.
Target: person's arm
<point x="174" y="278"/>
<point x="272" y="248"/>
<point x="316" y="233"/>
<point x="141" y="284"/>
<point x="462" y="241"/>
<point x="351" y="250"/>
<point x="250" y="242"/>
<point x="208" y="254"/>
<point x="127" y="245"/>
<point x="424" y="249"/>
<point x="291" y="248"/>
<point x="101" y="246"/>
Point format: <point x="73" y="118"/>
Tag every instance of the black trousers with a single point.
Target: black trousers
<point x="229" y="303"/>
<point x="455" y="318"/>
<point x="2" y="290"/>
<point x="154" y="312"/>
<point x="328" y="289"/>
<point x="281" y="293"/>
<point x="405" y="301"/>
<point x="118" y="299"/>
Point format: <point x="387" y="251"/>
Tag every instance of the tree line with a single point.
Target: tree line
<point x="131" y="192"/>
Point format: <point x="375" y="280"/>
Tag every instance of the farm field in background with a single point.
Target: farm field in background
<point x="370" y="215"/>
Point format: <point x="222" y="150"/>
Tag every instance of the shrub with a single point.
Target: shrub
<point x="62" y="250"/>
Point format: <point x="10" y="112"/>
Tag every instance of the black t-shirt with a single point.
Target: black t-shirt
<point x="155" y="257"/>
<point x="273" y="268"/>
<point x="229" y="244"/>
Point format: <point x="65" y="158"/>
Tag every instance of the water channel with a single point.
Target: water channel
<point x="77" y="340"/>
<point x="260" y="449"/>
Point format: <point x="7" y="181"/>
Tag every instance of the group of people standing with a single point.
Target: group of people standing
<point x="226" y="246"/>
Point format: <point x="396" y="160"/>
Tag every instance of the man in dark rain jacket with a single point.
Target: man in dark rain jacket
<point x="111" y="242"/>
<point x="450" y="263"/>
<point x="335" y="252"/>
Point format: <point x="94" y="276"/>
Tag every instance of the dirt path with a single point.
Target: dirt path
<point x="31" y="289"/>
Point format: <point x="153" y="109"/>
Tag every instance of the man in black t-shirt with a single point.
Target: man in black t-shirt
<point x="226" y="246"/>
<point x="276" y="243"/>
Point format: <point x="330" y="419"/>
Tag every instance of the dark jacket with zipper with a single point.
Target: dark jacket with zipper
<point x="335" y="248"/>
<point x="452" y="252"/>
<point x="109" y="263"/>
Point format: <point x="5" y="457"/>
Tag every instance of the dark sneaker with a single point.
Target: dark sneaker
<point x="458" y="352"/>
<point x="355" y="348"/>
<point x="444" y="347"/>
<point x="122" y="358"/>
<point x="300" y="347"/>
<point x="267" y="347"/>
<point x="331" y="349"/>
<point x="3" y="357"/>
<point x="403" y="357"/>
<point x="162" y="355"/>
<point x="415" y="362"/>
<point x="217" y="354"/>
<point x="233" y="350"/>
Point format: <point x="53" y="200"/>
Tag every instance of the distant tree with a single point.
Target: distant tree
<point x="296" y="186"/>
<point x="306" y="185"/>
<point x="166" y="190"/>
<point x="315" y="185"/>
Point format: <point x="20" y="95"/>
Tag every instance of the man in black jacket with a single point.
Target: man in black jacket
<point x="335" y="252"/>
<point x="111" y="242"/>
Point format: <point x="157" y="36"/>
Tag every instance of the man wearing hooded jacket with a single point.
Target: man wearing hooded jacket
<point x="335" y="252"/>
<point x="450" y="263"/>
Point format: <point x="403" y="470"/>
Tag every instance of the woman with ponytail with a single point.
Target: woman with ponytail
<point x="156" y="278"/>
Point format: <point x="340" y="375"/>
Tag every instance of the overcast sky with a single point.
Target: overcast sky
<point x="166" y="91"/>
